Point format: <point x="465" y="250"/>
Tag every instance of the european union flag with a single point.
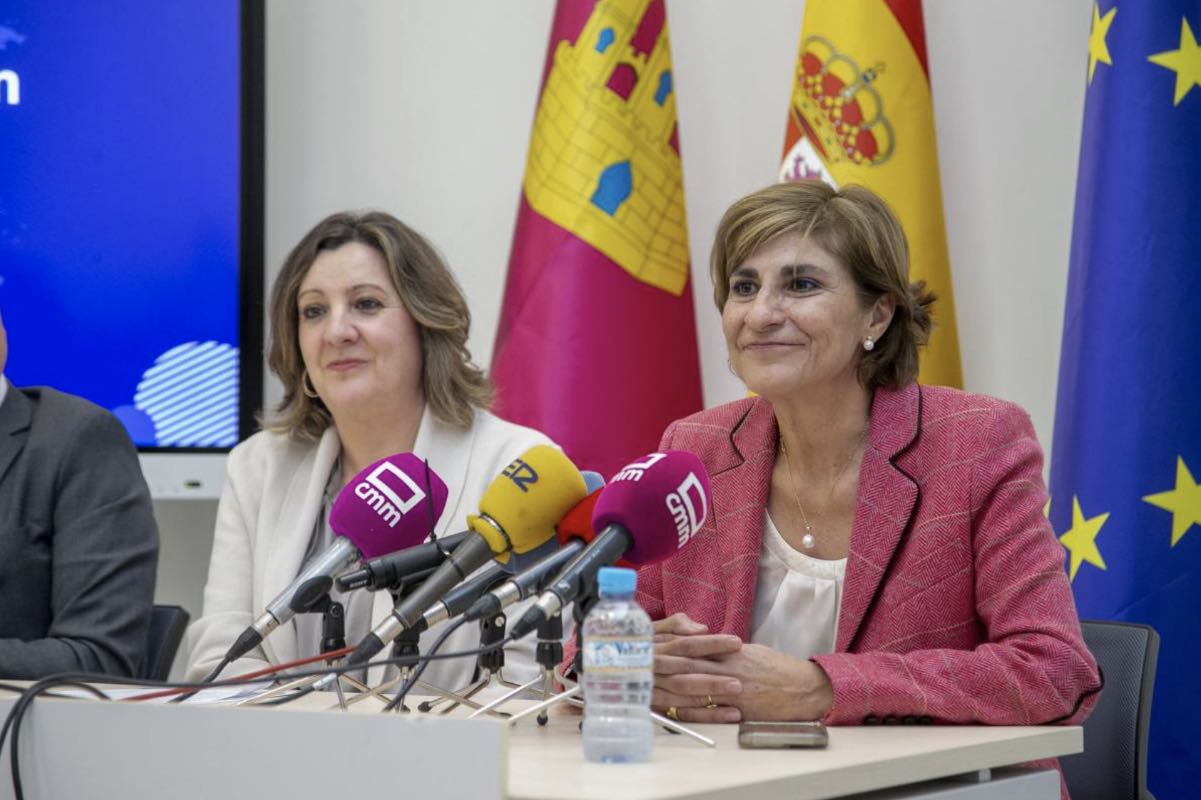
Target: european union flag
<point x="1127" y="452"/>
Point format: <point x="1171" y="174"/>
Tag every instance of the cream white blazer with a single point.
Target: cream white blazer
<point x="269" y="506"/>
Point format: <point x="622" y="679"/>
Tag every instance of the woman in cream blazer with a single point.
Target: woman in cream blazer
<point x="369" y="334"/>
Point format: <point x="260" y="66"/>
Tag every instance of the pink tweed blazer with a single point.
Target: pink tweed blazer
<point x="956" y="608"/>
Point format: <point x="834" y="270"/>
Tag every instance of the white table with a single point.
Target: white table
<point x="84" y="749"/>
<point x="548" y="764"/>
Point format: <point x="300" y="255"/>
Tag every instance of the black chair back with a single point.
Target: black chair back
<point x="167" y="626"/>
<point x="1113" y="765"/>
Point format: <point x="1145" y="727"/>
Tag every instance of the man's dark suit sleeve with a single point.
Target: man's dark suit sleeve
<point x="104" y="556"/>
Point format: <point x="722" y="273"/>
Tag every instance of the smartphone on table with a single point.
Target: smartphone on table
<point x="782" y="734"/>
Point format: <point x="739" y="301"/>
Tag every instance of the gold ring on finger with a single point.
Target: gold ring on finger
<point x="709" y="701"/>
<point x="673" y="713"/>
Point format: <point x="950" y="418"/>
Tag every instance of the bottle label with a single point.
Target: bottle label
<point x="617" y="654"/>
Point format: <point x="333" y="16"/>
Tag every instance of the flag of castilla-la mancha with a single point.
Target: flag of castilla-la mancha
<point x="596" y="344"/>
<point x="861" y="113"/>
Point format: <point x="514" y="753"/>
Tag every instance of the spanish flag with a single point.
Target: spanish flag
<point x="861" y="113"/>
<point x="597" y="338"/>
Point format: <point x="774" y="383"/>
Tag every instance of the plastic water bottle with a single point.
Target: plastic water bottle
<point x="618" y="673"/>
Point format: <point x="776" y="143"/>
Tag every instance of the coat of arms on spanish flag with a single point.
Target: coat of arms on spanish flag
<point x="861" y="113"/>
<point x="597" y="338"/>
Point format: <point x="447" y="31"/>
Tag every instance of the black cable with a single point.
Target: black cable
<point x="408" y="660"/>
<point x="407" y="686"/>
<point x="212" y="676"/>
<point x="399" y="661"/>
<point x="17" y="714"/>
<point x="429" y="493"/>
<point x="84" y="680"/>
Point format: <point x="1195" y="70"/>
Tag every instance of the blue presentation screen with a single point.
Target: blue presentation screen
<point x="120" y="209"/>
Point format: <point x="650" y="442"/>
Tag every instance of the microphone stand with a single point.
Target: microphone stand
<point x="312" y="597"/>
<point x="548" y="654"/>
<point x="584" y="604"/>
<point x="579" y="610"/>
<point x="491" y="665"/>
<point x="407" y="645"/>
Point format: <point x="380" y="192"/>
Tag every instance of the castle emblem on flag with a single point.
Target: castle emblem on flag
<point x="604" y="158"/>
<point x="839" y="111"/>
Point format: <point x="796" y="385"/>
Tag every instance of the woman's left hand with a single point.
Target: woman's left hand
<point x="775" y="686"/>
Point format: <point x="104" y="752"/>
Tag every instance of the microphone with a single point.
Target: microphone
<point x="458" y="599"/>
<point x="650" y="510"/>
<point x="517" y="513"/>
<point x="523" y="561"/>
<point x="551" y="556"/>
<point x="592" y="480"/>
<point x="576" y="525"/>
<point x="388" y="572"/>
<point x="394" y="569"/>
<point x="384" y="508"/>
<point x="522" y="585"/>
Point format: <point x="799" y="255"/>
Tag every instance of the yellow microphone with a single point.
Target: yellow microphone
<point x="522" y="506"/>
<point x="518" y="512"/>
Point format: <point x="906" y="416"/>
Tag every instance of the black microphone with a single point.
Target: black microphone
<point x="458" y="599"/>
<point x="524" y="584"/>
<point x="608" y="546"/>
<point x="390" y="571"/>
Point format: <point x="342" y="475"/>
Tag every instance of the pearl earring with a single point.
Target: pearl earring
<point x="869" y="344"/>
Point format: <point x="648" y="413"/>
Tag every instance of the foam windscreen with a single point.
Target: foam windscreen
<point x="520" y="508"/>
<point x="390" y="505"/>
<point x="661" y="499"/>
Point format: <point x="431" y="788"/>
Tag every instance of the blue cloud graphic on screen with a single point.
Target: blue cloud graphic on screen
<point x="189" y="398"/>
<point x="9" y="36"/>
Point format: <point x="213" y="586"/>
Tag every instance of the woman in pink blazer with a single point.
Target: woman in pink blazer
<point x="876" y="550"/>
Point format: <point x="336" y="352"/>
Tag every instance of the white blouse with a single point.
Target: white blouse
<point x="797" y="598"/>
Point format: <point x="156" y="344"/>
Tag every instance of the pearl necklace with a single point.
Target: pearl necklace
<point x="808" y="540"/>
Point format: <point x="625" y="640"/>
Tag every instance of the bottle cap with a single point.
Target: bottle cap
<point x="616" y="580"/>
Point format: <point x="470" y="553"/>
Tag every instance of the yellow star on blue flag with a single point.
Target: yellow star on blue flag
<point x="1185" y="61"/>
<point x="1081" y="540"/>
<point x="1098" y="50"/>
<point x="1184" y="502"/>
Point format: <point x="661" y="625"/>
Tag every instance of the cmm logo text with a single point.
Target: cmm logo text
<point x="688" y="508"/>
<point x="390" y="491"/>
<point x="635" y="471"/>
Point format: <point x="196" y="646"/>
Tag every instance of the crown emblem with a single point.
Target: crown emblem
<point x="835" y="104"/>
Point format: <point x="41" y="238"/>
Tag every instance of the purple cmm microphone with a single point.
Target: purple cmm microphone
<point x="389" y="506"/>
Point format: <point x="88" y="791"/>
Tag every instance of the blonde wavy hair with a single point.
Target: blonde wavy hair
<point x="454" y="386"/>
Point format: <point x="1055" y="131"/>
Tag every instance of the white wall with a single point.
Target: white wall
<point x="424" y="109"/>
<point x="1009" y="81"/>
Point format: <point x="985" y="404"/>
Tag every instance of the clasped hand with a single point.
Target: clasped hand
<point x="718" y="678"/>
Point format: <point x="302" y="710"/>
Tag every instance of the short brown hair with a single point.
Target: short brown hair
<point x="860" y="230"/>
<point x="454" y="387"/>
